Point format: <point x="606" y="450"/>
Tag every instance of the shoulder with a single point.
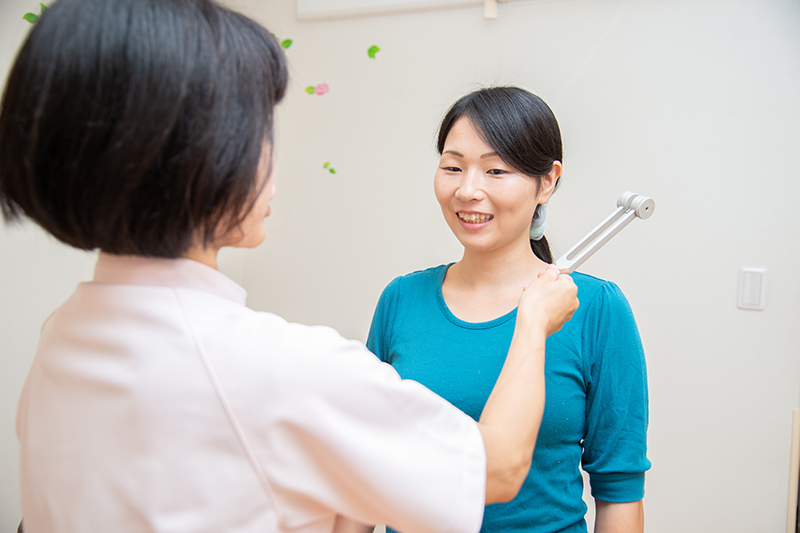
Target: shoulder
<point x="261" y="337"/>
<point x="302" y="341"/>
<point x="265" y="356"/>
<point x="605" y="321"/>
<point x="596" y="292"/>
<point x="418" y="283"/>
<point x="420" y="278"/>
<point x="603" y="310"/>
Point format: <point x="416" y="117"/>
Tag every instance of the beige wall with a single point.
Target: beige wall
<point x="691" y="102"/>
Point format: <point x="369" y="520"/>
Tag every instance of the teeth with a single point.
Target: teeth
<point x="474" y="218"/>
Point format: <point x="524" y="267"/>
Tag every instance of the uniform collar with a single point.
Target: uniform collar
<point x="182" y="272"/>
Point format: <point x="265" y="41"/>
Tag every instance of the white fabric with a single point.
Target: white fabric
<point x="158" y="402"/>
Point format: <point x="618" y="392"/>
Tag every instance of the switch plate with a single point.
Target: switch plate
<point x="752" y="288"/>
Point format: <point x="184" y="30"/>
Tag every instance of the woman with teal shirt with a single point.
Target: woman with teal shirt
<point x="449" y="327"/>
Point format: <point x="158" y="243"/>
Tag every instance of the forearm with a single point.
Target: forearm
<point x="511" y="417"/>
<point x="510" y="420"/>
<point x="619" y="517"/>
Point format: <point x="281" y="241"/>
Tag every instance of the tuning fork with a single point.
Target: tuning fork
<point x="629" y="206"/>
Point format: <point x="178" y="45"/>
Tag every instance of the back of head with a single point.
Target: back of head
<point x="137" y="126"/>
<point x="516" y="124"/>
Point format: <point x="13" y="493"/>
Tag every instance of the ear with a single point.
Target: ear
<point x="547" y="183"/>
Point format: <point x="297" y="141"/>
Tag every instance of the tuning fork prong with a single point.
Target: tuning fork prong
<point x="629" y="206"/>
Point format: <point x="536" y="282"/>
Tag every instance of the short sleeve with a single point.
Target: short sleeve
<point x="615" y="440"/>
<point x="379" y="338"/>
<point x="356" y="438"/>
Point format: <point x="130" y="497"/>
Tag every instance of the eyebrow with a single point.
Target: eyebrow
<point x="459" y="154"/>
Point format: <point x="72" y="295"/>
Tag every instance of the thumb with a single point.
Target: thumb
<point x="551" y="272"/>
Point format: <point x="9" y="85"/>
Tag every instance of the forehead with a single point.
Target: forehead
<point x="463" y="137"/>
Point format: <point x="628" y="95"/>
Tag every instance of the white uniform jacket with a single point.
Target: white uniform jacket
<point x="158" y="402"/>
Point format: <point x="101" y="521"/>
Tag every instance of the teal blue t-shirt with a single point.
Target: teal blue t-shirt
<point x="596" y="392"/>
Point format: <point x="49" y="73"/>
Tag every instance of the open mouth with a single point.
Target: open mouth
<point x="474" y="218"/>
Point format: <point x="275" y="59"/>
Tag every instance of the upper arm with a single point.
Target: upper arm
<point x="377" y="448"/>
<point x="615" y="440"/>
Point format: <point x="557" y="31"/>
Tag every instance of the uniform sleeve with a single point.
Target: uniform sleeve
<point x="615" y="441"/>
<point x="357" y="439"/>
<point x="380" y="331"/>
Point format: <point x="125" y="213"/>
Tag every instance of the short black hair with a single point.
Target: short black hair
<point x="516" y="124"/>
<point x="137" y="126"/>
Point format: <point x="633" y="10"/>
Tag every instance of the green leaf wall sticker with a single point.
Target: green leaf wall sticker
<point x="286" y="43"/>
<point x="374" y="49"/>
<point x="33" y="18"/>
<point x="329" y="167"/>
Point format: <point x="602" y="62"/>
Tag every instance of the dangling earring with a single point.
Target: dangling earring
<point x="537" y="224"/>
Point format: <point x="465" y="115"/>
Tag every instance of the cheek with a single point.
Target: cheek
<point x="529" y="195"/>
<point x="254" y="232"/>
<point x="517" y="201"/>
<point x="441" y="190"/>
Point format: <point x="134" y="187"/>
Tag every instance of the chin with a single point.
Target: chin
<point x="250" y="241"/>
<point x="253" y="243"/>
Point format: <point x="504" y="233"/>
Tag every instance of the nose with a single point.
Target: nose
<point x="471" y="186"/>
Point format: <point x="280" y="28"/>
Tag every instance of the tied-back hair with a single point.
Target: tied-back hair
<point x="137" y="126"/>
<point x="519" y="126"/>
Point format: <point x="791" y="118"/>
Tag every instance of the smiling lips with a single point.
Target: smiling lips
<point x="474" y="218"/>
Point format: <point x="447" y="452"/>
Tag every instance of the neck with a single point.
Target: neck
<point x="485" y="284"/>
<point x="205" y="255"/>
<point x="514" y="266"/>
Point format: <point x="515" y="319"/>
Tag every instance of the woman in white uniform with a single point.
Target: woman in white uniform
<point x="157" y="401"/>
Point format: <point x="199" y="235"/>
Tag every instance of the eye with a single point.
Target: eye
<point x="451" y="169"/>
<point x="496" y="171"/>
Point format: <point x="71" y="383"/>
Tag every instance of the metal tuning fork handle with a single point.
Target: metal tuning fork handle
<point x="629" y="206"/>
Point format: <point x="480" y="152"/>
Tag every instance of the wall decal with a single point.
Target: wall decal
<point x="286" y="43"/>
<point x="320" y="89"/>
<point x="33" y="17"/>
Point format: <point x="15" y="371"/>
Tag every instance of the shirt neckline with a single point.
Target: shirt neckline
<point x="159" y="272"/>
<point x="463" y="323"/>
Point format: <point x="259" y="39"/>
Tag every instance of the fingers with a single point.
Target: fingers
<point x="548" y="275"/>
<point x="550" y="272"/>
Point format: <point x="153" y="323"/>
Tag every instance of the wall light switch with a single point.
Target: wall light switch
<point x="752" y="288"/>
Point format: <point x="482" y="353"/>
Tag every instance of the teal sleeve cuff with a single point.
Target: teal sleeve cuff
<point x="618" y="487"/>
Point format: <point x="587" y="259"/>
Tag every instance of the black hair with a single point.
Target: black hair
<point x="519" y="126"/>
<point x="137" y="126"/>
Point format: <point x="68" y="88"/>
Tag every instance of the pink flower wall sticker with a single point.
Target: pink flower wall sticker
<point x="319" y="90"/>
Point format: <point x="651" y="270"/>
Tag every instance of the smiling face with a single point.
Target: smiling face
<point x="486" y="202"/>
